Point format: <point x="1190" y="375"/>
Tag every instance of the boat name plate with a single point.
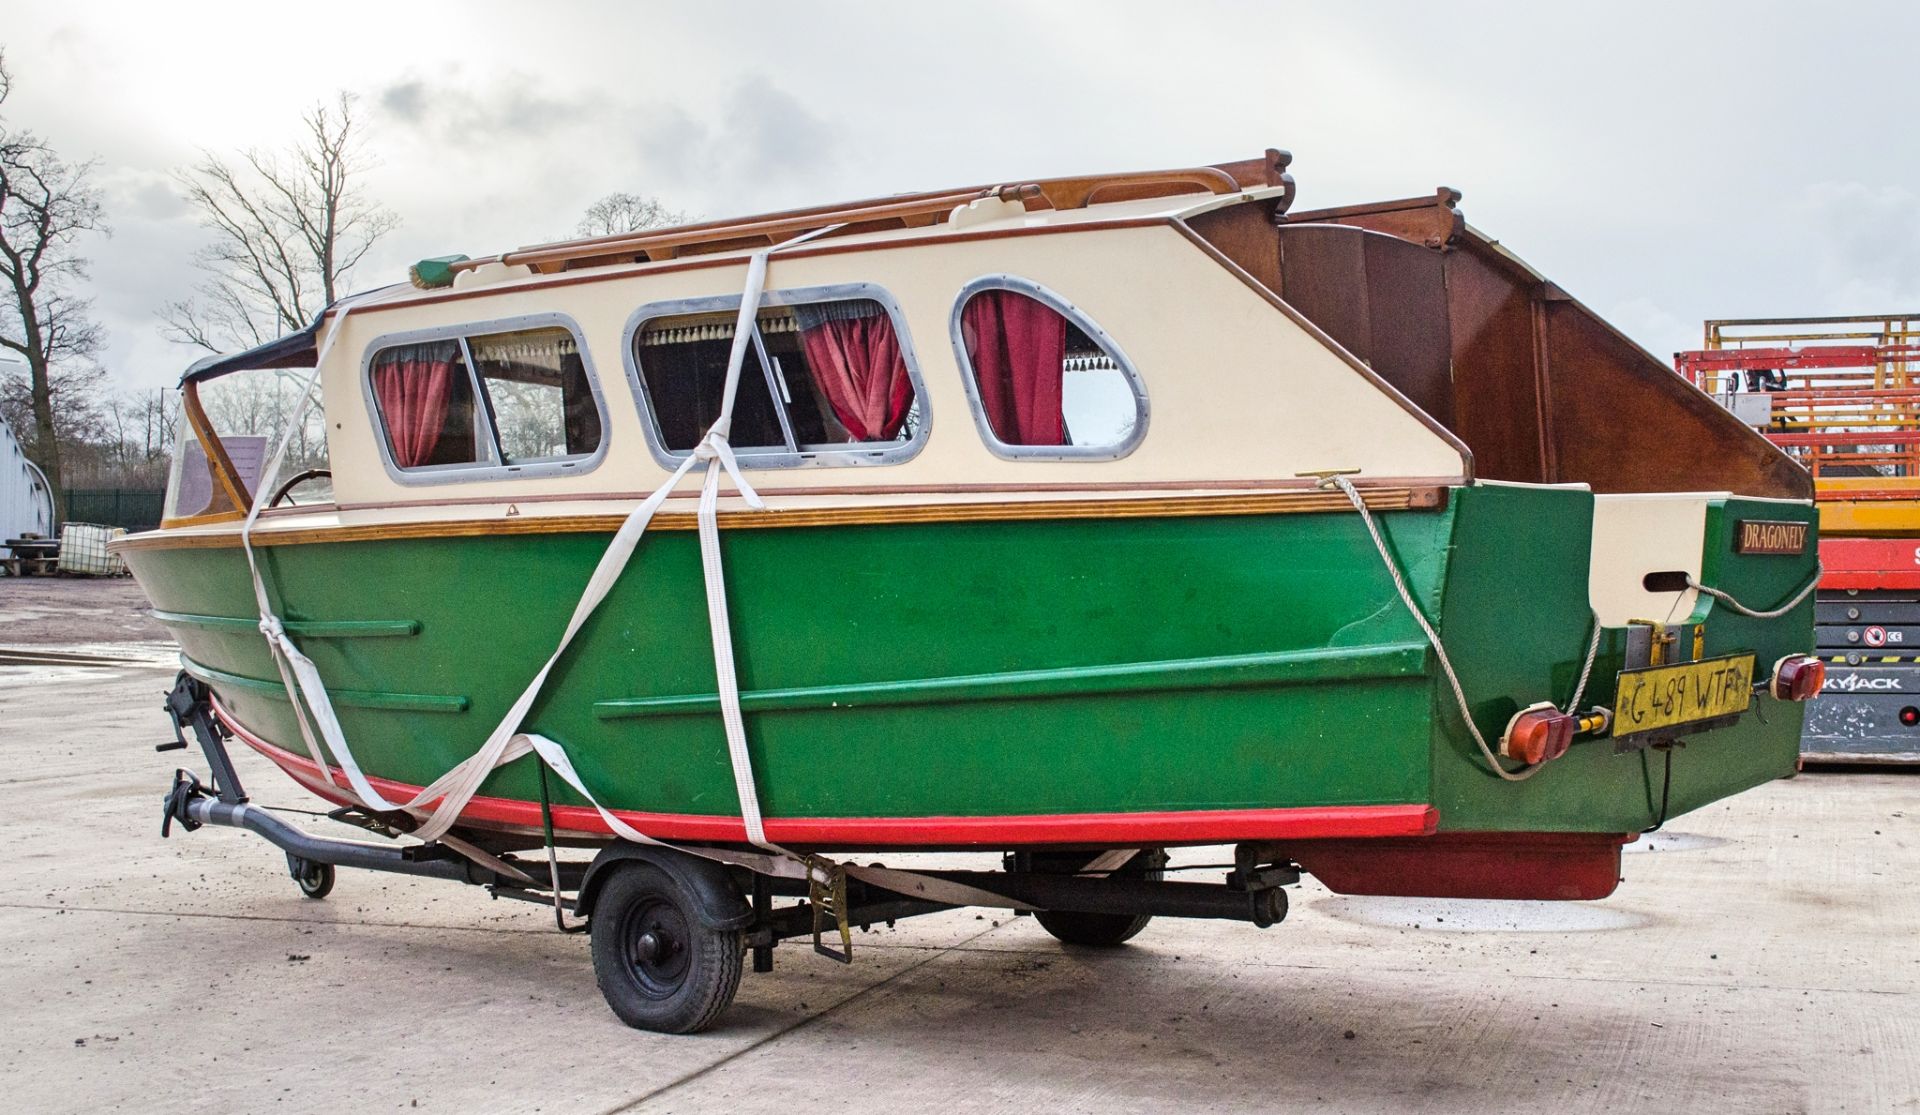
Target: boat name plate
<point x="1769" y="536"/>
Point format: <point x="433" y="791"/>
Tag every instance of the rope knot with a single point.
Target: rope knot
<point x="715" y="446"/>
<point x="272" y="628"/>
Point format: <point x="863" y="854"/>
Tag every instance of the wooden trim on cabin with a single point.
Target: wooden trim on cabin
<point x="1373" y="377"/>
<point x="1434" y="221"/>
<point x="613" y="272"/>
<point x="1276" y="503"/>
<point x="1423" y="485"/>
<point x="225" y="476"/>
<point x="1543" y="385"/>
<point x="209" y="519"/>
<point x="268" y="514"/>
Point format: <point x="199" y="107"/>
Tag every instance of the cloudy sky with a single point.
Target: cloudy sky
<point x="1665" y="162"/>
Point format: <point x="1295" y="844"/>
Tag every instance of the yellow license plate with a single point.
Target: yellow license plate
<point x="1661" y="698"/>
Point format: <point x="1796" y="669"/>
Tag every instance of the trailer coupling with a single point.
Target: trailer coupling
<point x="192" y="805"/>
<point x="311" y="859"/>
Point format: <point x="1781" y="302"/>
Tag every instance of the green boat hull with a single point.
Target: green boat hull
<point x="986" y="682"/>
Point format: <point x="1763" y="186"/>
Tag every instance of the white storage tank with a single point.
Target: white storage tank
<point x="83" y="549"/>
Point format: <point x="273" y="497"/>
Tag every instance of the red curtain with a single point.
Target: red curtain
<point x="857" y="363"/>
<point x="413" y="386"/>
<point x="1017" y="345"/>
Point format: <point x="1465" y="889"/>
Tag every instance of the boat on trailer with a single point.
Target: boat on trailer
<point x="1073" y="520"/>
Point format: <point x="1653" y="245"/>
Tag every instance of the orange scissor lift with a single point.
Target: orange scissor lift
<point x="1842" y="396"/>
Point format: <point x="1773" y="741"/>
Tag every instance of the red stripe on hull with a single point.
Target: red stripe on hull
<point x="1201" y="826"/>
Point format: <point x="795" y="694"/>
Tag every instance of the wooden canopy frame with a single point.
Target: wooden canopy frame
<point x="1540" y="388"/>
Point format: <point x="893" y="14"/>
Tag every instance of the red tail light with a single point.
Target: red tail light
<point x="1797" y="677"/>
<point x="1538" y="733"/>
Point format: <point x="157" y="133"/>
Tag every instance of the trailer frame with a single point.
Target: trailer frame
<point x="693" y="910"/>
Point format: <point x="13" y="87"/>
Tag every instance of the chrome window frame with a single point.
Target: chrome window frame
<point x="970" y="379"/>
<point x="848" y="455"/>
<point x="493" y="468"/>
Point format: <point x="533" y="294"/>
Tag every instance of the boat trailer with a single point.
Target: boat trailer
<point x="669" y="928"/>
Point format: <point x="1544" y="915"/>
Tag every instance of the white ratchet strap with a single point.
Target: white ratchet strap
<point x="441" y="802"/>
<point x="296" y="668"/>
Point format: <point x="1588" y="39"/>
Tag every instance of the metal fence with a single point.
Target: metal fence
<point x="133" y="508"/>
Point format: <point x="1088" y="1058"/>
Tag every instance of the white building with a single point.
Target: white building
<point x="26" y="502"/>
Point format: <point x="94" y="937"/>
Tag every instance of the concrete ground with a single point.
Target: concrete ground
<point x="37" y="611"/>
<point x="1760" y="957"/>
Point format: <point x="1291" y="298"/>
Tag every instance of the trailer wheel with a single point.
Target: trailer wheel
<point x="1096" y="930"/>
<point x="314" y="879"/>
<point x="658" y="965"/>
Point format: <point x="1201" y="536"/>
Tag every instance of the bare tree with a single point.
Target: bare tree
<point x="623" y="212"/>
<point x="261" y="403"/>
<point x="288" y="227"/>
<point x="140" y="428"/>
<point x="74" y="388"/>
<point x="131" y="445"/>
<point x="46" y="206"/>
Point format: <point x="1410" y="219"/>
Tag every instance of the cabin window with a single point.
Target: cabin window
<point x="828" y="377"/>
<point x="508" y="397"/>
<point x="244" y="415"/>
<point x="427" y="406"/>
<point x="537" y="389"/>
<point x="1044" y="380"/>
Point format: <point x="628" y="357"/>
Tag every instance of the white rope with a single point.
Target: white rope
<point x="1727" y="598"/>
<point x="1586" y="668"/>
<point x="1593" y="647"/>
<point x="1433" y="637"/>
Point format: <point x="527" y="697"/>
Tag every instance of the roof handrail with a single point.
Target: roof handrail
<point x="907" y="210"/>
<point x="666" y="243"/>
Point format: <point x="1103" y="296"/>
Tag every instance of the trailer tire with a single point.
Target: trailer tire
<point x="1103" y="931"/>
<point x="659" y="965"/>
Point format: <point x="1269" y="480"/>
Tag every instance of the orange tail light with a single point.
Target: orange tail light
<point x="1538" y="733"/>
<point x="1798" y="677"/>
